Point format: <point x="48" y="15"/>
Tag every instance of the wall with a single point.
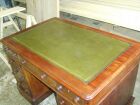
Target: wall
<point x="122" y="13"/>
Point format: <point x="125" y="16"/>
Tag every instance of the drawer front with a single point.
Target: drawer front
<point x="24" y="87"/>
<point x="11" y="54"/>
<point x="15" y="59"/>
<point x="70" y="96"/>
<point x="58" y="88"/>
<point x="61" y="101"/>
<point x="19" y="75"/>
<point x="15" y="67"/>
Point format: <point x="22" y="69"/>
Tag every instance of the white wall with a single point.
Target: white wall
<point x="124" y="13"/>
<point x="124" y="3"/>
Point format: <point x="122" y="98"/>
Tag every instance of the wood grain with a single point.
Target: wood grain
<point x="98" y="88"/>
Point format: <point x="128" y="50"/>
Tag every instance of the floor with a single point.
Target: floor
<point x="9" y="94"/>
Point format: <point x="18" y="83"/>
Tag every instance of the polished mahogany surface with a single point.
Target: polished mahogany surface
<point x="83" y="53"/>
<point x="120" y="71"/>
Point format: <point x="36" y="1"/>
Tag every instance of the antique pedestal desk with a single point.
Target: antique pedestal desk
<point x="81" y="65"/>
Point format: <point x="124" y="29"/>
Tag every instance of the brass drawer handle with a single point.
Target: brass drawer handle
<point x="23" y="61"/>
<point x="11" y="61"/>
<point x="21" y="79"/>
<point x="62" y="102"/>
<point x="9" y="51"/>
<point x="14" y="54"/>
<point x="43" y="76"/>
<point x="59" y="88"/>
<point x="68" y="91"/>
<point x="16" y="70"/>
<point x="77" y="99"/>
<point x="6" y="49"/>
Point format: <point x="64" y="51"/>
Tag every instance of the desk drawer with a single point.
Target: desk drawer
<point x="19" y="75"/>
<point x="11" y="54"/>
<point x="58" y="88"/>
<point x="15" y="66"/>
<point x="38" y="73"/>
<point x="67" y="94"/>
<point x="62" y="101"/>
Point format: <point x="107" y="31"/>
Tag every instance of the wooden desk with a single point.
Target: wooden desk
<point x="46" y="58"/>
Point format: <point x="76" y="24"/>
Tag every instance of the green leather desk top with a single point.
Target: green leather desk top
<point x="81" y="52"/>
